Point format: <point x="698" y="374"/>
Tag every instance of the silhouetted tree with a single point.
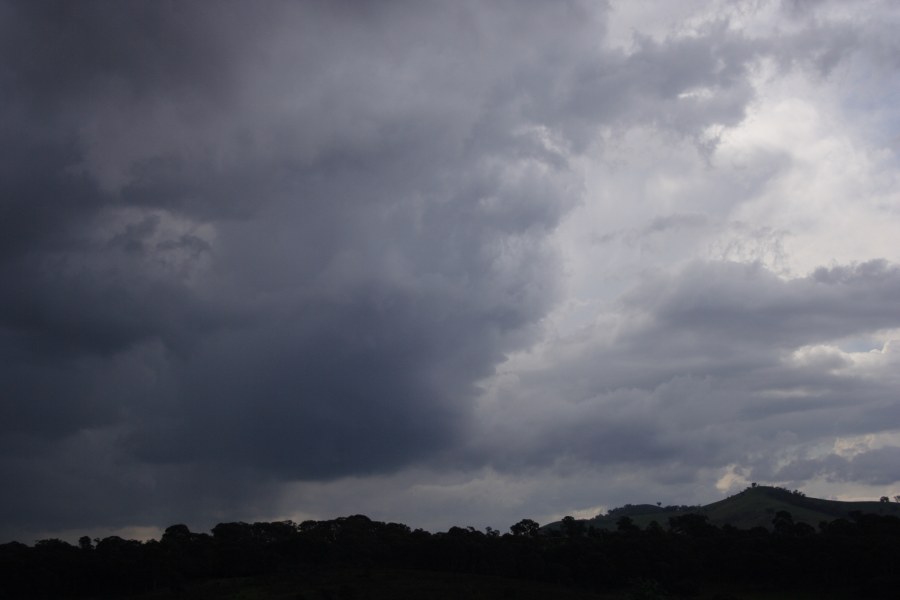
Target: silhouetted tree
<point x="572" y="527"/>
<point x="783" y="523"/>
<point x="525" y="527"/>
<point x="692" y="525"/>
<point x="626" y="525"/>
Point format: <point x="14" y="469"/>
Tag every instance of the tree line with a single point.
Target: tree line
<point x="858" y="554"/>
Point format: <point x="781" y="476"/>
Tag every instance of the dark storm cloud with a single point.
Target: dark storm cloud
<point x="247" y="243"/>
<point x="289" y="252"/>
<point x="68" y="60"/>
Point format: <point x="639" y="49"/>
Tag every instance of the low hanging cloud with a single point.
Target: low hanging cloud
<point x="718" y="364"/>
<point x="255" y="246"/>
<point x="873" y="467"/>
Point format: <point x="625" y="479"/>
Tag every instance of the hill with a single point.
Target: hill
<point x="754" y="507"/>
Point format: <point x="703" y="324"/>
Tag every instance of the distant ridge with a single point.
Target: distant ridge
<point x="754" y="507"/>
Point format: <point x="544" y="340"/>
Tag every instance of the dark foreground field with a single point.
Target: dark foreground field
<point x="367" y="584"/>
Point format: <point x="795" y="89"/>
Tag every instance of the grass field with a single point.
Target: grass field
<point x="754" y="507"/>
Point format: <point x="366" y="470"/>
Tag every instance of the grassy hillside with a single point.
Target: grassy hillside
<point x="757" y="506"/>
<point x="754" y="507"/>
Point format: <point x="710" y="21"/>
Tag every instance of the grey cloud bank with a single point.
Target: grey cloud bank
<point x="308" y="258"/>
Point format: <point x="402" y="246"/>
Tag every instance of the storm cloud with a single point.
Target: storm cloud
<point x="302" y="258"/>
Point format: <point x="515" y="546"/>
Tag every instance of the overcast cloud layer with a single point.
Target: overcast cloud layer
<point x="442" y="263"/>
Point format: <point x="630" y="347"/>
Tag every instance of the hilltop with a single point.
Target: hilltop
<point x="754" y="507"/>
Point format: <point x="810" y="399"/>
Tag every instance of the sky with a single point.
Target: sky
<point x="442" y="263"/>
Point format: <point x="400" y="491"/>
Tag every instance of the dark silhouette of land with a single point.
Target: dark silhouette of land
<point x="694" y="552"/>
<point x="754" y="507"/>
